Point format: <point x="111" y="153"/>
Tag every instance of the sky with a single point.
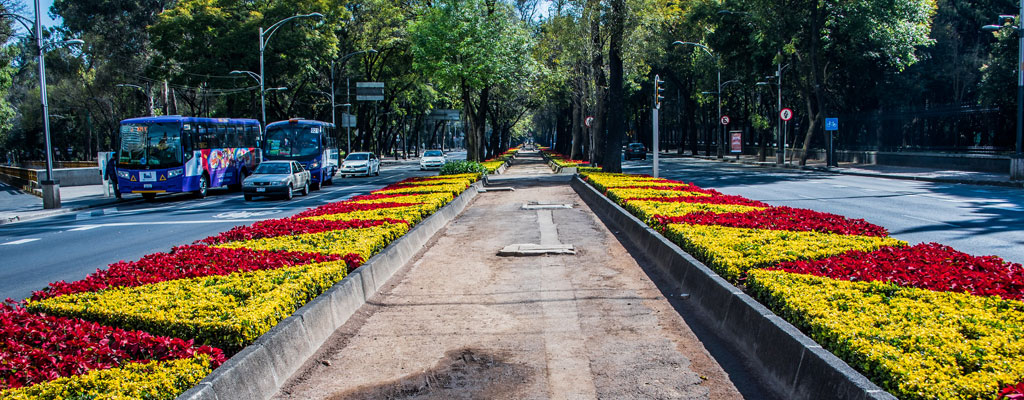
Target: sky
<point x="44" y="6"/>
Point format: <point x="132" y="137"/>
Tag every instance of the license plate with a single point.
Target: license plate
<point x="147" y="186"/>
<point x="261" y="189"/>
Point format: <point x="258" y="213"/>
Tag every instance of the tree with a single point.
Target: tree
<point x="468" y="47"/>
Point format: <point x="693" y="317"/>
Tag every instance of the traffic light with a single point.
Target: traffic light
<point x="658" y="90"/>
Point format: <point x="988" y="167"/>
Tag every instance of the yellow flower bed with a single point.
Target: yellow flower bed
<point x="604" y="180"/>
<point x="619" y="195"/>
<point x="362" y="241"/>
<point x="412" y="214"/>
<point x="445" y="181"/>
<point x="454" y="189"/>
<point x="469" y="178"/>
<point x="646" y="209"/>
<point x="152" y="380"/>
<point x="227" y="311"/>
<point x="436" y="199"/>
<point x="733" y="251"/>
<point x="915" y="343"/>
<point x="492" y="166"/>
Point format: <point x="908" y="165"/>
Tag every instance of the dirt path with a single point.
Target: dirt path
<point x="462" y="322"/>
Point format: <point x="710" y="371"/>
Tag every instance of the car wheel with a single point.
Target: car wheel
<point x="305" y="189"/>
<point x="288" y="194"/>
<point x="247" y="197"/>
<point x="204" y="186"/>
<point x="377" y="173"/>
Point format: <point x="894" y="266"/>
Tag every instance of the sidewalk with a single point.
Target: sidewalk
<point x="459" y="321"/>
<point x="18" y="206"/>
<point x="879" y="171"/>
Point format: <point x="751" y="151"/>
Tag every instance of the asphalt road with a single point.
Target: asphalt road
<point x="980" y="220"/>
<point x="70" y="246"/>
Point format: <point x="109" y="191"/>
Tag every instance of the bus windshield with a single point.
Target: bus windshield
<point x="154" y="145"/>
<point x="292" y="142"/>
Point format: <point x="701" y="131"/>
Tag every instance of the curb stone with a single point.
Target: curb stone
<point x="793" y="365"/>
<point x="260" y="369"/>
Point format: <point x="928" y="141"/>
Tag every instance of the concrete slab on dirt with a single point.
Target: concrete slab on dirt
<point x="526" y="250"/>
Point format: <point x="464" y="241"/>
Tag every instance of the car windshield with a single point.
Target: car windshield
<point x="636" y="146"/>
<point x="287" y="142"/>
<point x="433" y="153"/>
<point x="273" y="168"/>
<point x="154" y="145"/>
<point x="357" y="157"/>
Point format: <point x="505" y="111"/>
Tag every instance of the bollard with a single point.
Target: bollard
<point x="1017" y="168"/>
<point x="51" y="194"/>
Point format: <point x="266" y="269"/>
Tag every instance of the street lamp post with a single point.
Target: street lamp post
<point x="780" y="135"/>
<point x="265" y="35"/>
<point x="1017" y="160"/>
<point x="143" y="90"/>
<point x="718" y="65"/>
<point x="51" y="187"/>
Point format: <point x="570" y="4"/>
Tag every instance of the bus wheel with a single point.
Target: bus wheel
<point x="204" y="186"/>
<point x="316" y="185"/>
<point x="236" y="187"/>
<point x="247" y="197"/>
<point x="149" y="196"/>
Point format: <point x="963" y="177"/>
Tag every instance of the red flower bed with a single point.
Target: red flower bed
<point x="38" y="348"/>
<point x="929" y="266"/>
<point x="288" y="226"/>
<point x="381" y="196"/>
<point x="782" y="218"/>
<point x="347" y="207"/>
<point x="187" y="262"/>
<point x="1015" y="392"/>
<point x="719" y="199"/>
<point x="690" y="188"/>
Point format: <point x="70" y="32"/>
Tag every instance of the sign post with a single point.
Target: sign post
<point x="654" y="111"/>
<point x="785" y="115"/>
<point x="369" y="91"/>
<point x="831" y="127"/>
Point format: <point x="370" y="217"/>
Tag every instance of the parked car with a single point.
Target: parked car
<point x="635" y="150"/>
<point x="432" y="159"/>
<point x="360" y="164"/>
<point x="276" y="178"/>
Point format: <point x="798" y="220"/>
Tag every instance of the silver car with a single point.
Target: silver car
<point x="432" y="159"/>
<point x="360" y="164"/>
<point x="276" y="178"/>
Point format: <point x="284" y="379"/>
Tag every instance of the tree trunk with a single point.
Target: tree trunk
<point x="616" y="98"/>
<point x="577" y="131"/>
<point x="816" y="98"/>
<point x="600" y="83"/>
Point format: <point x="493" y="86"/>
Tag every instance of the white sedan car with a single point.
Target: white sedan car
<point x="276" y="178"/>
<point x="360" y="164"/>
<point x="432" y="159"/>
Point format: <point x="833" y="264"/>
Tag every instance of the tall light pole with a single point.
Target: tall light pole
<point x="143" y="90"/>
<point x="1005" y="22"/>
<point x="259" y="79"/>
<point x="718" y="65"/>
<point x="51" y="187"/>
<point x="265" y="35"/>
<point x="780" y="135"/>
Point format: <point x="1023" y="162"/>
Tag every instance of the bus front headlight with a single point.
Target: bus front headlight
<point x="314" y="165"/>
<point x="175" y="172"/>
<point x="124" y="174"/>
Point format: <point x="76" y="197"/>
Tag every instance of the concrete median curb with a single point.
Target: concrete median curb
<point x="794" y="365"/>
<point x="259" y="370"/>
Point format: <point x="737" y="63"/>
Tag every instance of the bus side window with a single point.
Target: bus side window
<point x="186" y="140"/>
<point x="204" y="137"/>
<point x="251" y="136"/>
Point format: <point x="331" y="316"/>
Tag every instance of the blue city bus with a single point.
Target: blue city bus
<point x="309" y="142"/>
<point x="173" y="154"/>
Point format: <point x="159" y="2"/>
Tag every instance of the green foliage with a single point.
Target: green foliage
<point x="463" y="167"/>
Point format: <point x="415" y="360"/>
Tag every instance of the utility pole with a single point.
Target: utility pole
<point x="658" y="89"/>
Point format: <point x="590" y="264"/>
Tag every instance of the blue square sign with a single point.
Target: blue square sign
<point x="831" y="124"/>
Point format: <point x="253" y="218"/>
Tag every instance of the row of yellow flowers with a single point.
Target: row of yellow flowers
<point x="231" y="311"/>
<point x="915" y="343"/>
<point x="493" y="164"/>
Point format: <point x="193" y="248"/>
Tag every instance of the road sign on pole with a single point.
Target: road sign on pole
<point x="725" y="120"/>
<point x="831" y="124"/>
<point x="348" y="120"/>
<point x="786" y="114"/>
<point x="444" y="115"/>
<point x="370" y="91"/>
<point x="589" y="122"/>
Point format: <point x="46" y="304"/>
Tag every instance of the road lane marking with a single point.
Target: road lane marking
<point x="810" y="198"/>
<point x="87" y="227"/>
<point x="927" y="220"/>
<point x="20" y="241"/>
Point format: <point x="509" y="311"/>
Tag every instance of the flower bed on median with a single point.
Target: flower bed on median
<point x="226" y="292"/>
<point x="923" y="322"/>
